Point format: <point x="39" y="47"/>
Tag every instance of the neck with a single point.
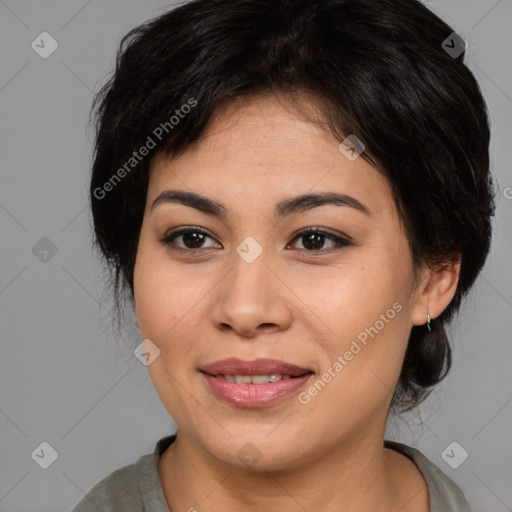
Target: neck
<point x="357" y="475"/>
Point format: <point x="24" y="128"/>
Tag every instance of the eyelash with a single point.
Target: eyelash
<point x="340" y="242"/>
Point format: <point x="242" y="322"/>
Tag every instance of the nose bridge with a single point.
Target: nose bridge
<point x="250" y="297"/>
<point x="249" y="283"/>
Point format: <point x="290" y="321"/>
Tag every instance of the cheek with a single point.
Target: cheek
<point x="366" y="308"/>
<point x="172" y="304"/>
<point x="361" y="370"/>
<point x="354" y="296"/>
<point x="166" y="299"/>
<point x="164" y="294"/>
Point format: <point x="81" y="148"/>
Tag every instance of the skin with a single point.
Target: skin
<point x="326" y="455"/>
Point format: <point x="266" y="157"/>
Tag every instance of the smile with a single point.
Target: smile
<point x="254" y="379"/>
<point x="257" y="383"/>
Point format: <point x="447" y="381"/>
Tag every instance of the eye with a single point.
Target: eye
<point x="313" y="240"/>
<point x="192" y="239"/>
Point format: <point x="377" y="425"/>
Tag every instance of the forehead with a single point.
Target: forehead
<point x="262" y="150"/>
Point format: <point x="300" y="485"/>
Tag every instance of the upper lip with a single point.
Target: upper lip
<point x="234" y="366"/>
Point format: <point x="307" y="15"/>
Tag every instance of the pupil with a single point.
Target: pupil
<point x="193" y="239"/>
<point x="313" y="241"/>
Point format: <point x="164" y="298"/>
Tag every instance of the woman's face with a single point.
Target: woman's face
<point x="244" y="281"/>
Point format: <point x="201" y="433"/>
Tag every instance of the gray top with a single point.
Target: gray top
<point x="137" y="487"/>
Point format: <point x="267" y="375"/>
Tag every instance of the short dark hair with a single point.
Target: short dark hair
<point x="377" y="70"/>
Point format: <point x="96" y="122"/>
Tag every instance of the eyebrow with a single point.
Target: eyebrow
<point x="284" y="208"/>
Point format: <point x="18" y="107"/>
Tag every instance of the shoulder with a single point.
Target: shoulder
<point x="132" y="488"/>
<point x="118" y="491"/>
<point x="444" y="493"/>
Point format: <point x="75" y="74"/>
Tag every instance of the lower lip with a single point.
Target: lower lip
<point x="254" y="395"/>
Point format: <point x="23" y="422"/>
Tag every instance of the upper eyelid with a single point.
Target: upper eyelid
<point x="319" y="229"/>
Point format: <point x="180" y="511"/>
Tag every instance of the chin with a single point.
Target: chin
<point x="254" y="450"/>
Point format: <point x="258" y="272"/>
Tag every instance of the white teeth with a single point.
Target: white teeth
<point x="259" y="379"/>
<point x="254" y="379"/>
<point x="274" y="377"/>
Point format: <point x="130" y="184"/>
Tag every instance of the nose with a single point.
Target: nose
<point x="251" y="300"/>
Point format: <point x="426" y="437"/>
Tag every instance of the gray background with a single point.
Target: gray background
<point x="66" y="380"/>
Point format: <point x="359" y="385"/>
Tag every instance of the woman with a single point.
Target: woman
<point x="296" y="195"/>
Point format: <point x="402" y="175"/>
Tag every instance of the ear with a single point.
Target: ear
<point x="435" y="291"/>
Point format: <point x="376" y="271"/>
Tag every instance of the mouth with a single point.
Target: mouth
<point x="255" y="379"/>
<point x="255" y="383"/>
<point x="259" y="371"/>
